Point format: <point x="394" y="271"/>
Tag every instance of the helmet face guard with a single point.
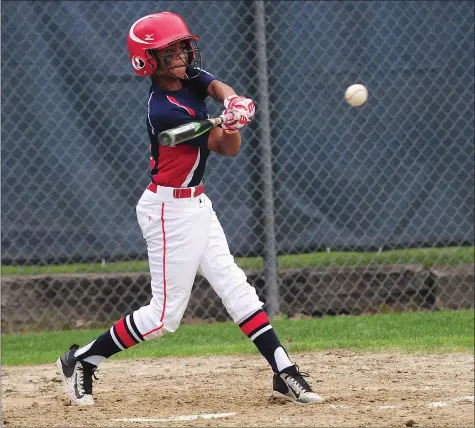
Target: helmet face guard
<point x="192" y="61"/>
<point x="156" y="32"/>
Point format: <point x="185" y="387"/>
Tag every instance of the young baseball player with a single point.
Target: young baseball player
<point x="177" y="219"/>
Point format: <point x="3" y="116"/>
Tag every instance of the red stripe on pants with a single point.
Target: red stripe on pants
<point x="123" y="334"/>
<point x="152" y="331"/>
<point x="254" y="323"/>
<point x="164" y="262"/>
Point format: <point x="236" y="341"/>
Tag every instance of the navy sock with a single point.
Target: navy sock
<point x="258" y="328"/>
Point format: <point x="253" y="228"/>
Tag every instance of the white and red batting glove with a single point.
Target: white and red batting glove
<point x="235" y="120"/>
<point x="242" y="104"/>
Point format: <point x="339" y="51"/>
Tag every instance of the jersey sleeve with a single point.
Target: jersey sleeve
<point x="200" y="84"/>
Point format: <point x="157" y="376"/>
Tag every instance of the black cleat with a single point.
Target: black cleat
<point x="290" y="385"/>
<point x="77" y="377"/>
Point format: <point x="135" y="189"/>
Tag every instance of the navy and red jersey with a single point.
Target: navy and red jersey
<point x="184" y="164"/>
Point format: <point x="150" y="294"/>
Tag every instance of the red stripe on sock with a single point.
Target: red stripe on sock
<point x="123" y="334"/>
<point x="253" y="323"/>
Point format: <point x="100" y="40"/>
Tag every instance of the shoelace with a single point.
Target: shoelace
<point x="80" y="379"/>
<point x="298" y="382"/>
<point x="85" y="379"/>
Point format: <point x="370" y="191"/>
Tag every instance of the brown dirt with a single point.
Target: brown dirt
<point x="360" y="390"/>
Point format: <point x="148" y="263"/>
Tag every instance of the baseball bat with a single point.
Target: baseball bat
<point x="172" y="137"/>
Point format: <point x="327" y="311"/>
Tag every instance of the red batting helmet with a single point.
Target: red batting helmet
<point x="157" y="31"/>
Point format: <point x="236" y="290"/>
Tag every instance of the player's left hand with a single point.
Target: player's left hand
<point x="242" y="104"/>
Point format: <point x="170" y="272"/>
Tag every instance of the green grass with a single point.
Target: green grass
<point x="428" y="332"/>
<point x="425" y="256"/>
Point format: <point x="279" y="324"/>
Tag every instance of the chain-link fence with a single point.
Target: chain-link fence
<point x="332" y="209"/>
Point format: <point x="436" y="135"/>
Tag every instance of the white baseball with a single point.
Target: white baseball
<point x="356" y="95"/>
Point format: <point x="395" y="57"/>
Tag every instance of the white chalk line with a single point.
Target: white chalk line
<point x="439" y="404"/>
<point x="178" y="418"/>
<point x="467" y="399"/>
<point x="348" y="406"/>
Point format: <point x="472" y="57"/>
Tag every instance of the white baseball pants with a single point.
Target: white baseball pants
<point x="184" y="236"/>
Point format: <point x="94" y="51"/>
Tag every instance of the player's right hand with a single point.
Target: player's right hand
<point x="245" y="105"/>
<point x="237" y="122"/>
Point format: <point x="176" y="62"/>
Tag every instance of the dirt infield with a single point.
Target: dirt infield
<point x="360" y="390"/>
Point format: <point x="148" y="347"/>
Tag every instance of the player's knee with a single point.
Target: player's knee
<point x="171" y="328"/>
<point x="171" y="321"/>
<point x="171" y="324"/>
<point x="147" y="321"/>
<point x="241" y="299"/>
<point x="228" y="272"/>
<point x="245" y="307"/>
<point x="154" y="334"/>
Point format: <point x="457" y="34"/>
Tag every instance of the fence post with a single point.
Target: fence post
<point x="269" y="253"/>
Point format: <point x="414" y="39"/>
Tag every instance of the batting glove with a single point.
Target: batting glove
<point x="237" y="122"/>
<point x="244" y="105"/>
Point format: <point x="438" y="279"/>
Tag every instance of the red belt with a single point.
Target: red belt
<point x="184" y="192"/>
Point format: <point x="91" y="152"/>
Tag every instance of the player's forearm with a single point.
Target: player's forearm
<point x="230" y="144"/>
<point x="223" y="143"/>
<point x="220" y="91"/>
